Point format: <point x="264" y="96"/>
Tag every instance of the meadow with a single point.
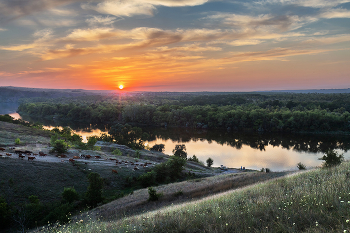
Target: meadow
<point x="313" y="201"/>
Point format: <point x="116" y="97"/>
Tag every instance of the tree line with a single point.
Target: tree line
<point x="236" y="112"/>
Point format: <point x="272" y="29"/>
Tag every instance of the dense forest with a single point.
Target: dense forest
<point x="267" y="112"/>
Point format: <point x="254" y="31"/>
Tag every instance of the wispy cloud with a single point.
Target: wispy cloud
<point x="130" y="8"/>
<point x="42" y="38"/>
<point x="99" y="20"/>
<point x="306" y="3"/>
<point x="14" y="9"/>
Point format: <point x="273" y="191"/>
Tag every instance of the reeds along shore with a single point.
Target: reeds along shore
<point x="312" y="201"/>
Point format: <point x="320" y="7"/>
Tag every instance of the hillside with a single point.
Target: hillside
<point x="312" y="201"/>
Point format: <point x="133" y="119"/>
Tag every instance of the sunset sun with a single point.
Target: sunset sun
<point x="121" y="87"/>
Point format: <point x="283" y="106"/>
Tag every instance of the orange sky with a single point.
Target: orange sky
<point x="168" y="45"/>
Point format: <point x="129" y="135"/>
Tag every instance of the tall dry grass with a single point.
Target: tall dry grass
<point x="313" y="201"/>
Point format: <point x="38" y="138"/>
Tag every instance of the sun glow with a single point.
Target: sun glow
<point x="121" y="87"/>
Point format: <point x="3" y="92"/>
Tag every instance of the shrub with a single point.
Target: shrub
<point x="158" y="147"/>
<point x="94" y="191"/>
<point x="332" y="158"/>
<point x="301" y="166"/>
<point x="117" y="152"/>
<point x="267" y="170"/>
<point x="193" y="159"/>
<point x="170" y="170"/>
<point x="137" y="154"/>
<point x="148" y="179"/>
<point x="60" y="146"/>
<point x="70" y="195"/>
<point x="153" y="195"/>
<point x="209" y="162"/>
<point x="17" y="141"/>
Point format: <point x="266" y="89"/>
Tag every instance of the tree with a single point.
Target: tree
<point x="209" y="162"/>
<point x="180" y="151"/>
<point x="94" y="191"/>
<point x="332" y="158"/>
<point x="70" y="195"/>
<point x="158" y="147"/>
<point x="60" y="146"/>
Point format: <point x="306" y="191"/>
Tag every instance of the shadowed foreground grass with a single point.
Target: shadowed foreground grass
<point x="313" y="201"/>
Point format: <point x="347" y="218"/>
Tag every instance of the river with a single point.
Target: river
<point x="253" y="151"/>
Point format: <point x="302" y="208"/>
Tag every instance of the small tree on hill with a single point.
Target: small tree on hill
<point x="332" y="158"/>
<point x="180" y="151"/>
<point x="209" y="162"/>
<point x="94" y="191"/>
<point x="60" y="146"/>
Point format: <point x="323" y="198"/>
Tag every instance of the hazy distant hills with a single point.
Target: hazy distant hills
<point x="322" y="91"/>
<point x="13" y="94"/>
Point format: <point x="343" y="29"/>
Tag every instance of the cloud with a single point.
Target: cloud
<point x="99" y="20"/>
<point x="90" y="34"/>
<point x="130" y="8"/>
<point x="43" y="37"/>
<point x="328" y="40"/>
<point x="14" y="9"/>
<point x="263" y="21"/>
<point x="306" y="3"/>
<point x="244" y="42"/>
<point x="335" y="13"/>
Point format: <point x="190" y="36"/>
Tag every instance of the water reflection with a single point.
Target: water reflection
<point x="275" y="151"/>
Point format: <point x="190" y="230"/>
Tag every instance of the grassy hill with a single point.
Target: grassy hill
<point x="312" y="201"/>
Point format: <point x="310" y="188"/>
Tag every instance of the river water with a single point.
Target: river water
<point x="253" y="151"/>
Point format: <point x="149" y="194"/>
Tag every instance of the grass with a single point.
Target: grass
<point x="312" y="201"/>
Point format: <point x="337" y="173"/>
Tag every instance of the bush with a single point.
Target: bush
<point x="193" y="159"/>
<point x="70" y="195"/>
<point x="332" y="158"/>
<point x="4" y="213"/>
<point x="17" y="141"/>
<point x="301" y="166"/>
<point x="148" y="179"/>
<point x="158" y="147"/>
<point x="170" y="170"/>
<point x="209" y="162"/>
<point x="94" y="192"/>
<point x="60" y="146"/>
<point x="117" y="152"/>
<point x="267" y="170"/>
<point x="153" y="195"/>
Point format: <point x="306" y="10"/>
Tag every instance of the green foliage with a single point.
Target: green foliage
<point x="70" y="195"/>
<point x="17" y="141"/>
<point x="137" y="154"/>
<point x="158" y="147"/>
<point x="301" y="166"/>
<point x="209" y="162"/>
<point x="54" y="138"/>
<point x="193" y="159"/>
<point x="153" y="195"/>
<point x="331" y="158"/>
<point x="117" y="152"/>
<point x="129" y="136"/>
<point x="33" y="199"/>
<point x="148" y="179"/>
<point x="170" y="170"/>
<point x="94" y="191"/>
<point x="60" y="146"/>
<point x="180" y="151"/>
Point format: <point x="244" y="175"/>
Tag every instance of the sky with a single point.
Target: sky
<point x="175" y="45"/>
